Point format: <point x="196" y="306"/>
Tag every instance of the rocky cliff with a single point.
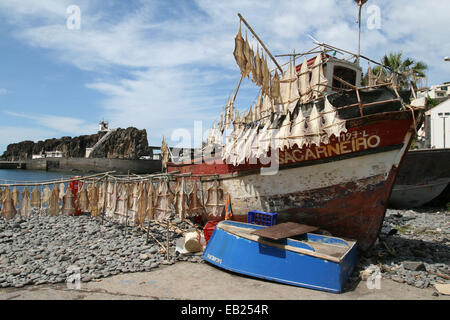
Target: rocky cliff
<point x="130" y="143"/>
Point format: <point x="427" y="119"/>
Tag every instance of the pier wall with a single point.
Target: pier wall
<point x="94" y="165"/>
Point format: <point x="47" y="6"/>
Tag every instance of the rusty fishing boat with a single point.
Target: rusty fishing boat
<point x="317" y="146"/>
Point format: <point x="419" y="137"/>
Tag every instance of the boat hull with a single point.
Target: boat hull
<point x="342" y="187"/>
<point x="413" y="196"/>
<point x="262" y="260"/>
<point x="422" y="177"/>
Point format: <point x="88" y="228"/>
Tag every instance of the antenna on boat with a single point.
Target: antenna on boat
<point x="360" y="4"/>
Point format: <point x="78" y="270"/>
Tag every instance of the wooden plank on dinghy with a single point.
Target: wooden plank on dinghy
<point x="284" y="230"/>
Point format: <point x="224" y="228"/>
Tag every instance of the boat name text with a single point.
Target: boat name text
<point x="343" y="146"/>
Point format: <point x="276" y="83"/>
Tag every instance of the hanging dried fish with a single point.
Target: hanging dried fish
<point x="298" y="131"/>
<point x="1" y="195"/>
<point x="196" y="208"/>
<point x="101" y="205"/>
<point x="248" y="53"/>
<point x="151" y="201"/>
<point x="314" y="127"/>
<point x="68" y="207"/>
<point x="35" y="198"/>
<point x="46" y="194"/>
<point x="215" y="205"/>
<point x="122" y="204"/>
<point x="133" y="208"/>
<point x="304" y="83"/>
<point x="25" y="204"/>
<point x="53" y="207"/>
<point x="61" y="191"/>
<point x="15" y="196"/>
<point x="318" y="79"/>
<point x="265" y="77"/>
<point x="142" y="204"/>
<point x="258" y="71"/>
<point x="181" y="206"/>
<point x="110" y="200"/>
<point x="275" y="87"/>
<point x="82" y="202"/>
<point x="8" y="210"/>
<point x="164" y="199"/>
<point x="92" y="193"/>
<point x="239" y="51"/>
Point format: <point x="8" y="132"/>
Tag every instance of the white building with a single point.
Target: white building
<point x="439" y="92"/>
<point x="438" y="119"/>
<point x="54" y="154"/>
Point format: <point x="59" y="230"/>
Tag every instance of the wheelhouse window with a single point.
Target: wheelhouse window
<point x="346" y="74"/>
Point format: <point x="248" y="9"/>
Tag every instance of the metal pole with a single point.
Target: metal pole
<point x="443" y="120"/>
<point x="260" y="41"/>
<point x="359" y="32"/>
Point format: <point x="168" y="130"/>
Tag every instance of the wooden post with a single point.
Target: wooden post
<point x="104" y="199"/>
<point x="262" y="44"/>
<point x="168" y="239"/>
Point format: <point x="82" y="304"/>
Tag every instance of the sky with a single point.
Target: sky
<point x="168" y="65"/>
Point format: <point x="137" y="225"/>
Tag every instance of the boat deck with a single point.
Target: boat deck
<point x="334" y="249"/>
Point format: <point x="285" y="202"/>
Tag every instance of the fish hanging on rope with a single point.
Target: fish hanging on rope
<point x="122" y="203"/>
<point x="8" y="210"/>
<point x="61" y="191"/>
<point x="53" y="207"/>
<point x="151" y="201"/>
<point x="25" y="204"/>
<point x="181" y="206"/>
<point x="275" y="87"/>
<point x="101" y="205"/>
<point x="68" y="207"/>
<point x="248" y="54"/>
<point x="164" y="199"/>
<point x="93" y="199"/>
<point x="111" y="200"/>
<point x="35" y="198"/>
<point x="196" y="208"/>
<point x="257" y="74"/>
<point x="15" y="197"/>
<point x="215" y="205"/>
<point x="142" y="204"/>
<point x="45" y="200"/>
<point x="239" y="51"/>
<point x="82" y="202"/>
<point x="133" y="208"/>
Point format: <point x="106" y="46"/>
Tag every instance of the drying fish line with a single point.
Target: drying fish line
<point x="51" y="182"/>
<point x="130" y="200"/>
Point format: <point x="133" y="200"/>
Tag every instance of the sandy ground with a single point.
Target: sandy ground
<point x="202" y="281"/>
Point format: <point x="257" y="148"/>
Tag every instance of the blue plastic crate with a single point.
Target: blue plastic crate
<point x="262" y="218"/>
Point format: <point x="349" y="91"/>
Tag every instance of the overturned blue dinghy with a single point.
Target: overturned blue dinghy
<point x="307" y="260"/>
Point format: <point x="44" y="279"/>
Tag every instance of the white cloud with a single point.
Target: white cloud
<point x="177" y="66"/>
<point x="10" y="134"/>
<point x="65" y="125"/>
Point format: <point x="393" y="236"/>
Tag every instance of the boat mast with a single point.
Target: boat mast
<point x="360" y="4"/>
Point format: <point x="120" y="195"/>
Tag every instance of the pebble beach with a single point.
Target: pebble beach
<point x="413" y="248"/>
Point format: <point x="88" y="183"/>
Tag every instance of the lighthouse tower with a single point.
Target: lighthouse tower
<point x="103" y="126"/>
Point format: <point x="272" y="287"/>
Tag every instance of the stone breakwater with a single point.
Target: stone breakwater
<point x="46" y="249"/>
<point x="413" y="248"/>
